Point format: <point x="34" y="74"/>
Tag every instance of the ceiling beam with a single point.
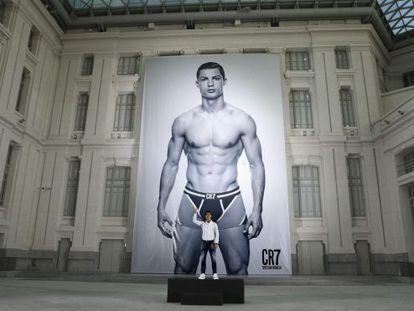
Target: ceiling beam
<point x="61" y="11"/>
<point x="368" y="14"/>
<point x="244" y="14"/>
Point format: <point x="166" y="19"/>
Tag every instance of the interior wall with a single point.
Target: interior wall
<point x="33" y="223"/>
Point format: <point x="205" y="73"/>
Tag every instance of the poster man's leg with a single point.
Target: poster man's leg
<point x="186" y="249"/>
<point x="234" y="246"/>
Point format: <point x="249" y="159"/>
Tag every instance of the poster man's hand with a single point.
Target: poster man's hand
<point x="255" y="221"/>
<point x="165" y="223"/>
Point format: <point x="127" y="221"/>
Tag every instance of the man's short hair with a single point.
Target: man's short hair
<point x="207" y="212"/>
<point x="211" y="65"/>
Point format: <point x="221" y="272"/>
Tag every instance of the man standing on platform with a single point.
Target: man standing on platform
<point x="209" y="242"/>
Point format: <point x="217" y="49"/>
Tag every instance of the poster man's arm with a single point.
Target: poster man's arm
<point x="168" y="174"/>
<point x="253" y="151"/>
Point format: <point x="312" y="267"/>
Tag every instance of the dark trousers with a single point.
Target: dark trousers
<point x="208" y="246"/>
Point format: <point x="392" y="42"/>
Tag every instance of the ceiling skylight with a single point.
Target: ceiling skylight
<point x="399" y="15"/>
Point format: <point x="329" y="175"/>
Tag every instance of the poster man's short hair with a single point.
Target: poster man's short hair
<point x="211" y="65"/>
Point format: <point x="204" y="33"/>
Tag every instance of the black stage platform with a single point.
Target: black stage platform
<point x="205" y="292"/>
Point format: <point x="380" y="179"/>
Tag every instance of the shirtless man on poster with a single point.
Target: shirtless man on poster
<point x="213" y="136"/>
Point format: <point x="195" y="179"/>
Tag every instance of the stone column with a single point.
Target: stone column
<point x="99" y="98"/>
<point x="327" y="97"/>
<point x="65" y="98"/>
<point x="340" y="253"/>
<point x="360" y="96"/>
<point x="85" y="246"/>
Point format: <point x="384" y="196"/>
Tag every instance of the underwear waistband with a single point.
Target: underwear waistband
<point x="213" y="195"/>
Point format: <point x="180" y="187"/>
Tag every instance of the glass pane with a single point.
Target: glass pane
<point x="300" y="109"/>
<point x="356" y="195"/>
<point x="347" y="107"/>
<point x="306" y="192"/>
<point x="87" y="66"/>
<point x="72" y="188"/>
<point x="81" y="111"/>
<point x="117" y="191"/>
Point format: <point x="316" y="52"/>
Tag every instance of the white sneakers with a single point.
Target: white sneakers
<point x="203" y="276"/>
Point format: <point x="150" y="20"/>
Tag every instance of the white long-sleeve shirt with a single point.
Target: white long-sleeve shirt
<point x="209" y="230"/>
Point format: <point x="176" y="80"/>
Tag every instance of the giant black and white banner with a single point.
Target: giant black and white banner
<point x="212" y="140"/>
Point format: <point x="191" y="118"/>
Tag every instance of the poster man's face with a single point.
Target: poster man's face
<point x="210" y="83"/>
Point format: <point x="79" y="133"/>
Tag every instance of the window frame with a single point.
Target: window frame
<point x="72" y="187"/>
<point x="8" y="178"/>
<point x="81" y="105"/>
<point x="4" y="16"/>
<point x="123" y="70"/>
<point x="339" y="59"/>
<point x="345" y="113"/>
<point x="300" y="185"/>
<point x="3" y="8"/>
<point x="408" y="161"/>
<point x="303" y="106"/>
<point x="408" y="78"/>
<point x="33" y="41"/>
<point x="307" y="65"/>
<point x="110" y="184"/>
<point x="23" y="94"/>
<point x="118" y="109"/>
<point x="356" y="184"/>
<point x="410" y="196"/>
<point x="87" y="65"/>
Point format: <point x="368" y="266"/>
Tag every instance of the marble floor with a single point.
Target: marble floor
<point x="125" y="292"/>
